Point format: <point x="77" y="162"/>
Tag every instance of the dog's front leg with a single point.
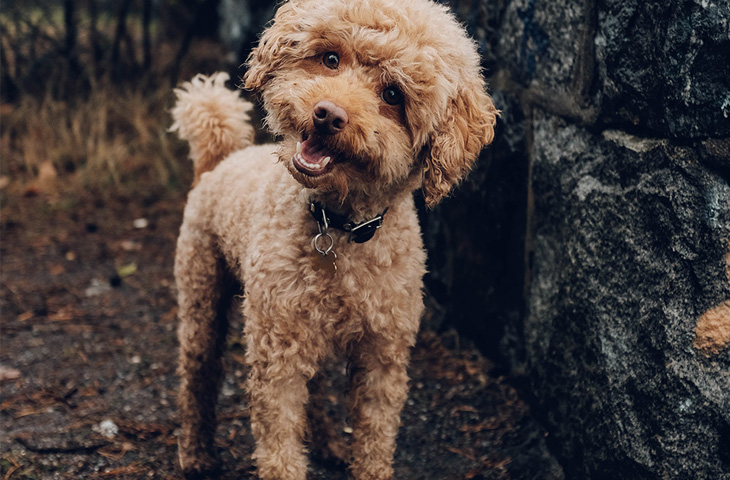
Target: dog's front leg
<point x="277" y="386"/>
<point x="379" y="390"/>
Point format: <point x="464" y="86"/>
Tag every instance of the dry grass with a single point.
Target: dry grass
<point x="78" y="120"/>
<point x="111" y="138"/>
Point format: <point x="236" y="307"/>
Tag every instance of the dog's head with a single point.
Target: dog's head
<point x="369" y="93"/>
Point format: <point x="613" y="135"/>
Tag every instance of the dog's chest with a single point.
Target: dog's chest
<point x="285" y="276"/>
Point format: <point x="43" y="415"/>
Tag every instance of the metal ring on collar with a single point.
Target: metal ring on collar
<point x="323" y="251"/>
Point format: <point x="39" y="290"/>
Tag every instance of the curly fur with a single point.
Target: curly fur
<point x="248" y="216"/>
<point x="212" y="119"/>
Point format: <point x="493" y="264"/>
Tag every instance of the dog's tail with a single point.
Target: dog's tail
<point x="212" y="119"/>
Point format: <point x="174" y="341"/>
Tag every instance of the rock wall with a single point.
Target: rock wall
<point x="624" y="340"/>
<point x="628" y="253"/>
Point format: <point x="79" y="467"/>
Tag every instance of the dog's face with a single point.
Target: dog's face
<point x="372" y="93"/>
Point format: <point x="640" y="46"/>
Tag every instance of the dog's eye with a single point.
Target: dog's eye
<point x="392" y="96"/>
<point x="331" y="60"/>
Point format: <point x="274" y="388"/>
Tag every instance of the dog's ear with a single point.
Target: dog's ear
<point x="467" y="126"/>
<point x="274" y="48"/>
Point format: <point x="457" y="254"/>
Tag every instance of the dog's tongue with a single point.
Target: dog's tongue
<point x="312" y="157"/>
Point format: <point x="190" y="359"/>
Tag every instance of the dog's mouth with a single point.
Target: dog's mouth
<point x="313" y="157"/>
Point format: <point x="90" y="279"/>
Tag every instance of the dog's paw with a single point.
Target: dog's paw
<point x="198" y="465"/>
<point x="201" y="470"/>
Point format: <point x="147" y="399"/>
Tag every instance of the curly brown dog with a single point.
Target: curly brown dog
<point x="373" y="100"/>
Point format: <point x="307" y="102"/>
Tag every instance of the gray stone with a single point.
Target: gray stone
<point x="665" y="65"/>
<point x="659" y="67"/>
<point x="539" y="41"/>
<point x="629" y="252"/>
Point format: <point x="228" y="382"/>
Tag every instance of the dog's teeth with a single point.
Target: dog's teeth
<point x="312" y="166"/>
<point x="299" y="148"/>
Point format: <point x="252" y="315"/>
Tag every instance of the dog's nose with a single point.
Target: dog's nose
<point x="329" y="118"/>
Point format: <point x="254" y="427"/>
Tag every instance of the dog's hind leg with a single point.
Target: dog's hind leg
<point x="202" y="302"/>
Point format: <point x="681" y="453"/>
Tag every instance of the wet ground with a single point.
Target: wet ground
<point x="87" y="364"/>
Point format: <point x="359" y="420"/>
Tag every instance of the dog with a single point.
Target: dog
<point x="373" y="100"/>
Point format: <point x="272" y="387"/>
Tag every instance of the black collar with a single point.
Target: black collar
<point x="359" y="232"/>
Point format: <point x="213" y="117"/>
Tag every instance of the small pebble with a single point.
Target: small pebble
<point x="141" y="223"/>
<point x="107" y="428"/>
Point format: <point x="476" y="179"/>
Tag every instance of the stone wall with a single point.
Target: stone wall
<point x="624" y="337"/>
<point x="628" y="252"/>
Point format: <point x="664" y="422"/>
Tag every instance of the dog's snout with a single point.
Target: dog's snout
<point x="329" y="118"/>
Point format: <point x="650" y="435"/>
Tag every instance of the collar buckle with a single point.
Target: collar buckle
<point x="359" y="232"/>
<point x="362" y="232"/>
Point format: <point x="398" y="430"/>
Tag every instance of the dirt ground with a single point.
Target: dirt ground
<point x="87" y="364"/>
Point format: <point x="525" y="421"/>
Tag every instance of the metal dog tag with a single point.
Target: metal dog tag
<point x="323" y="243"/>
<point x="326" y="262"/>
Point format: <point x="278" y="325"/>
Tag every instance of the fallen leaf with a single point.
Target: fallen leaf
<point x="25" y="316"/>
<point x="8" y="373"/>
<point x="127" y="270"/>
<point x="57" y="269"/>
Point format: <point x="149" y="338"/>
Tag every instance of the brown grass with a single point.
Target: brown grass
<point x="109" y="138"/>
<point x="80" y="122"/>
